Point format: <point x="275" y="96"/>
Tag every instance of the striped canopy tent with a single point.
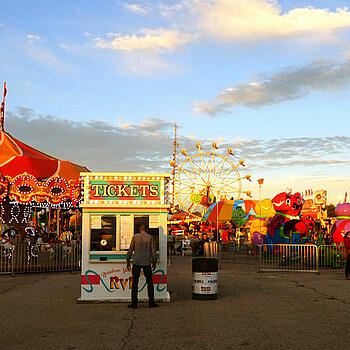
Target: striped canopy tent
<point x="28" y="174"/>
<point x="228" y="210"/>
<point x="17" y="158"/>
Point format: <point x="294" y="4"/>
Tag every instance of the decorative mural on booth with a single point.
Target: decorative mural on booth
<point x="119" y="280"/>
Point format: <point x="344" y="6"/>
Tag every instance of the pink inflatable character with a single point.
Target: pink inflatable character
<point x="342" y="225"/>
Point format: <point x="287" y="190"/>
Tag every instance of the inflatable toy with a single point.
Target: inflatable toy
<point x="286" y="227"/>
<point x="264" y="210"/>
<point x="342" y="225"/>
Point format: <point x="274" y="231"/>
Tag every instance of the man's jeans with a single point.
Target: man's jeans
<point x="136" y="269"/>
<point x="347" y="266"/>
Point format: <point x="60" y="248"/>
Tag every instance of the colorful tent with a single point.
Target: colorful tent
<point x="17" y="158"/>
<point x="31" y="175"/>
<point x="230" y="210"/>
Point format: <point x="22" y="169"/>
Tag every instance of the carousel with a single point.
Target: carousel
<point x="39" y="201"/>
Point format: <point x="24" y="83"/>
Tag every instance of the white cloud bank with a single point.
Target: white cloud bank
<point x="241" y="20"/>
<point x="105" y="146"/>
<point x="33" y="37"/>
<point x="159" y="40"/>
<point x="137" y="8"/>
<point x="224" y="20"/>
<point x="148" y="146"/>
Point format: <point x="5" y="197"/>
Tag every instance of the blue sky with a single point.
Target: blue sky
<point x="244" y="72"/>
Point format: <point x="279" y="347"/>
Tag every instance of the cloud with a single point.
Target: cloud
<point x="146" y="63"/>
<point x="91" y="143"/>
<point x="167" y="10"/>
<point x="137" y="8"/>
<point x="240" y="140"/>
<point x="288" y="84"/>
<point x="242" y="20"/>
<point x="148" y="147"/>
<point x="126" y="126"/>
<point x="307" y="162"/>
<point x="33" y="37"/>
<point x="99" y="145"/>
<point x="64" y="46"/>
<point x="159" y="40"/>
<point x="152" y="124"/>
<point x="42" y="55"/>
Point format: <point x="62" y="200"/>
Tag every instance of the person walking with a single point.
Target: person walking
<point x="142" y="246"/>
<point x="347" y="251"/>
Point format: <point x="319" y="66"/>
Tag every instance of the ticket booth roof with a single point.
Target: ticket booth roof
<point x="118" y="174"/>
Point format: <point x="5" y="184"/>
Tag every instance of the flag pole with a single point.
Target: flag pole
<point x="3" y="108"/>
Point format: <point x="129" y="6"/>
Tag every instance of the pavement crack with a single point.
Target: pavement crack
<point x="6" y="290"/>
<point x="26" y="283"/>
<point x="315" y="290"/>
<point x="125" y="339"/>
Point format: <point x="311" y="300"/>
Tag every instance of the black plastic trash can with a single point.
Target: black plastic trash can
<point x="205" y="278"/>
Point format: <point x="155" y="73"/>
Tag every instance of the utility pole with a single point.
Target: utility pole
<point x="173" y="162"/>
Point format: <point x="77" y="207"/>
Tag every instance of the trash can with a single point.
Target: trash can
<point x="205" y="278"/>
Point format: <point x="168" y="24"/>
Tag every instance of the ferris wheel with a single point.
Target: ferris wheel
<point x="205" y="178"/>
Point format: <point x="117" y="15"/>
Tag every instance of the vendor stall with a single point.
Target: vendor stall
<point x="115" y="205"/>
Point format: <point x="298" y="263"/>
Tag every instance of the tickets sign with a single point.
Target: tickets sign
<point x="124" y="190"/>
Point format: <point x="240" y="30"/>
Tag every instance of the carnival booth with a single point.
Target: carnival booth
<point x="115" y="205"/>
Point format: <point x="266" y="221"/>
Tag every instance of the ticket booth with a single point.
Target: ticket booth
<point x="114" y="207"/>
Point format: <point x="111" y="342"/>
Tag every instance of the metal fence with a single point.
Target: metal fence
<point x="288" y="257"/>
<point x="22" y="258"/>
<point x="241" y="256"/>
<point x="331" y="257"/>
<point x="211" y="250"/>
<point x="279" y="257"/>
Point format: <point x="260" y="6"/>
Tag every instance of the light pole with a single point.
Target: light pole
<point x="260" y="182"/>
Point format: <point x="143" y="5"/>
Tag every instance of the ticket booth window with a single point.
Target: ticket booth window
<point x="125" y="231"/>
<point x="103" y="233"/>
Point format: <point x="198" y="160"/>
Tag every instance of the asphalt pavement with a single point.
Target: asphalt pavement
<point x="254" y="311"/>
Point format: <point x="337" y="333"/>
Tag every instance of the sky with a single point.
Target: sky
<point x="102" y="83"/>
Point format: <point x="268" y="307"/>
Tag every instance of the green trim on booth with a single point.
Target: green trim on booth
<point x="96" y="257"/>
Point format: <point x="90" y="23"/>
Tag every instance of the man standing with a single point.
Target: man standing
<point x="347" y="251"/>
<point x="144" y="258"/>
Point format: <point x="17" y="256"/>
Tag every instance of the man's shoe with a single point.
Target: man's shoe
<point x="153" y="305"/>
<point x="132" y="306"/>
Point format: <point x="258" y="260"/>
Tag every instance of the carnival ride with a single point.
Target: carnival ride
<point x="205" y="178"/>
<point x="36" y="192"/>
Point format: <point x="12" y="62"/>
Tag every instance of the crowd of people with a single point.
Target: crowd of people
<point x="196" y="234"/>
